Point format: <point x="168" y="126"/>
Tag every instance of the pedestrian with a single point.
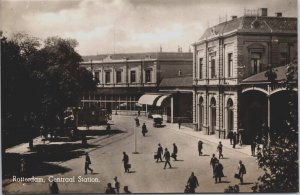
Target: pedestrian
<point x="192" y="183"/>
<point x="139" y="112"/>
<point x="53" y="187"/>
<point x="179" y="123"/>
<point x="144" y="129"/>
<point x="167" y="157"/>
<point x="218" y="171"/>
<point x="117" y="185"/>
<point x="200" y="146"/>
<point x="213" y="161"/>
<point x="159" y="153"/>
<point x="220" y="149"/>
<point x="238" y="136"/>
<point x="87" y="163"/>
<point x="174" y="153"/>
<point x="242" y="171"/>
<point x="253" y="146"/>
<point x="126" y="162"/>
<point x="126" y="190"/>
<point x="23" y="167"/>
<point x="241" y="136"/>
<point x="230" y="136"/>
<point x="234" y="140"/>
<point x="137" y="122"/>
<point x="109" y="189"/>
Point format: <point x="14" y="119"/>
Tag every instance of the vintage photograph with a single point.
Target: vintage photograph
<point x="149" y="96"/>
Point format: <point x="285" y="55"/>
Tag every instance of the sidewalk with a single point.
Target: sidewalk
<point x="245" y="149"/>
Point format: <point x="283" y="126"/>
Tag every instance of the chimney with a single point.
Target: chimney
<point x="263" y="12"/>
<point x="278" y="14"/>
<point x="233" y="17"/>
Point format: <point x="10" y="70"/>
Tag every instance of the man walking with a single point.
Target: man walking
<point x="234" y="138"/>
<point x="159" y="153"/>
<point x="242" y="171"/>
<point x="230" y="136"/>
<point x="144" y="129"/>
<point x="174" y="153"/>
<point x="87" y="163"/>
<point x="192" y="183"/>
<point x="200" y="146"/>
<point x="167" y="157"/>
<point x="220" y="149"/>
<point x="126" y="161"/>
<point x="218" y="171"/>
<point x="213" y="162"/>
<point x="117" y="185"/>
<point x="253" y="146"/>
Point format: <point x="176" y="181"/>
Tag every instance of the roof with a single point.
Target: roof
<point x="260" y="77"/>
<point x="253" y="24"/>
<point x="138" y="56"/>
<point x="179" y="81"/>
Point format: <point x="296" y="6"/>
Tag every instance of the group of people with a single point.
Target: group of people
<point x="235" y="138"/>
<point x="166" y="155"/>
<point x="116" y="189"/>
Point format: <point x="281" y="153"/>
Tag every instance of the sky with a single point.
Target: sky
<point x="124" y="26"/>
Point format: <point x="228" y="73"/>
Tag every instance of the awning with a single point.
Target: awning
<point x="161" y="99"/>
<point x="148" y="99"/>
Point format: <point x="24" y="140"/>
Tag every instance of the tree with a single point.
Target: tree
<point x="279" y="159"/>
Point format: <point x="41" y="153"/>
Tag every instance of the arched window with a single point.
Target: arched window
<point x="229" y="114"/>
<point x="213" y="115"/>
<point x="201" y="112"/>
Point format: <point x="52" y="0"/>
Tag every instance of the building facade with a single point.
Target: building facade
<point x="230" y="52"/>
<point x="124" y="78"/>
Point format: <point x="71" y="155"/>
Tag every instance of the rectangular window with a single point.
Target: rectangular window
<point x="230" y="65"/>
<point x="212" y="64"/>
<point x="107" y="77"/>
<point x="132" y="76"/>
<point x="148" y="76"/>
<point x="255" y="63"/>
<point x="96" y="75"/>
<point x="283" y="59"/>
<point x="119" y="76"/>
<point x="200" y="68"/>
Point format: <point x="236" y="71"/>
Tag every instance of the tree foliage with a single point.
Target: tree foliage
<point x="279" y="158"/>
<point x="39" y="80"/>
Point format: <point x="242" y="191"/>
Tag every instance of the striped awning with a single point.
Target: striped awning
<point x="148" y="99"/>
<point x="161" y="99"/>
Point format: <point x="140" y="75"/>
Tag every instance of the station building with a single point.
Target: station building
<point x="227" y="94"/>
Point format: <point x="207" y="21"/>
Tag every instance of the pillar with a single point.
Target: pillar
<point x="172" y="109"/>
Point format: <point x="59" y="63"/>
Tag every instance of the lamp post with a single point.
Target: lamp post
<point x="136" y="124"/>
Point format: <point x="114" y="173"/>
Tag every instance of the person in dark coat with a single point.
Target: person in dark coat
<point x="126" y="190"/>
<point x="253" y="146"/>
<point x="218" y="171"/>
<point x="174" y="153"/>
<point x="53" y="187"/>
<point x="179" y="123"/>
<point x="200" y="146"/>
<point x="126" y="162"/>
<point x="234" y="138"/>
<point x="220" y="150"/>
<point x="242" y="171"/>
<point x="144" y="129"/>
<point x="159" y="153"/>
<point x="87" y="163"/>
<point x="213" y="162"/>
<point x="167" y="157"/>
<point x="192" y="183"/>
<point x="109" y="189"/>
<point x="230" y="136"/>
<point x="117" y="185"/>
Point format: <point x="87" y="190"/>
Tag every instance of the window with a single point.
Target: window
<point x="132" y="76"/>
<point x="148" y="76"/>
<point x="119" y="76"/>
<point x="230" y="65"/>
<point x="255" y="63"/>
<point x="107" y="77"/>
<point x="200" y="68"/>
<point x="212" y="64"/>
<point x="96" y="75"/>
<point x="283" y="59"/>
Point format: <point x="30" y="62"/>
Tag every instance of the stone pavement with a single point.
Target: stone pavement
<point x="245" y="149"/>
